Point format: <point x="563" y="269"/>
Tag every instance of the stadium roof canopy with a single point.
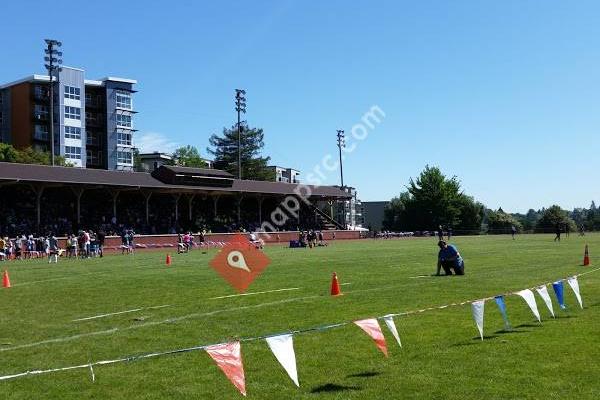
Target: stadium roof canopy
<point x="164" y="179"/>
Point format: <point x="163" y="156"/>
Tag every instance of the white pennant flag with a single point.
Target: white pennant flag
<point x="389" y="321"/>
<point x="575" y="286"/>
<point x="477" y="308"/>
<point x="543" y="292"/>
<point x="529" y="298"/>
<point x="282" y="347"/>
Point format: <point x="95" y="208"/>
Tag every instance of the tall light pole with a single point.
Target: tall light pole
<point x="240" y="107"/>
<point x="341" y="142"/>
<point x="53" y="61"/>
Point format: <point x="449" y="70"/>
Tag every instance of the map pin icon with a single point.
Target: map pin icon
<point x="235" y="259"/>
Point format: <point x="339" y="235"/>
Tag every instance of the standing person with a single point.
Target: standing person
<point x="124" y="241"/>
<point x="88" y="244"/>
<point x="557" y="230"/>
<point x="201" y="237"/>
<point x="449" y="259"/>
<point x="52" y="249"/>
<point x="513" y="231"/>
<point x="46" y="247"/>
<point x="581" y="230"/>
<point x="130" y="240"/>
<point x="19" y="246"/>
<point x="567" y="229"/>
<point x="100" y="237"/>
<point x="440" y="233"/>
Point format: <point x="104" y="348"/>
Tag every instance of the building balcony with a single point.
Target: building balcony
<point x="41" y="136"/>
<point x="41" y="116"/>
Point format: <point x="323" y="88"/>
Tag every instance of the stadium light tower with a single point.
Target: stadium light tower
<point x="341" y="142"/>
<point x="240" y="107"/>
<point x="53" y="60"/>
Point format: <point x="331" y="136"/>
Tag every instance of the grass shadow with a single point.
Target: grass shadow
<point x="505" y="332"/>
<point x="529" y="326"/>
<point x="367" y="374"/>
<point x="333" y="387"/>
<point x="474" y="341"/>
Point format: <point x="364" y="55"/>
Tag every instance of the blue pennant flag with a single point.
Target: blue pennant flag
<point x="559" y="290"/>
<point x="502" y="307"/>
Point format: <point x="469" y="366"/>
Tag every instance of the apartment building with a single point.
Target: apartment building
<point x="288" y="175"/>
<point x="93" y="119"/>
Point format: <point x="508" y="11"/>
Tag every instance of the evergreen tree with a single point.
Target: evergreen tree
<point x="225" y="152"/>
<point x="432" y="200"/>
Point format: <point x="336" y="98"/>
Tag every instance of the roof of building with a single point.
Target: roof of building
<point x="156" y="154"/>
<point x="198" y="171"/>
<point x="46" y="78"/>
<point x="30" y="173"/>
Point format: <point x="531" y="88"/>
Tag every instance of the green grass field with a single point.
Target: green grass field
<point x="442" y="357"/>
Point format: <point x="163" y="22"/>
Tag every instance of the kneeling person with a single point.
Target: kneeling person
<point x="449" y="258"/>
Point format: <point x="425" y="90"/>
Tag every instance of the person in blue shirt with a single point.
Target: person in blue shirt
<point x="449" y="259"/>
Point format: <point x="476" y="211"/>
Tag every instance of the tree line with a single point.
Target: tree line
<point x="29" y="155"/>
<point x="432" y="200"/>
<point x="224" y="150"/>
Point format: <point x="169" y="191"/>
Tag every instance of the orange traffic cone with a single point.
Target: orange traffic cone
<point x="586" y="257"/>
<point x="6" y="280"/>
<point x="168" y="261"/>
<point x="335" y="286"/>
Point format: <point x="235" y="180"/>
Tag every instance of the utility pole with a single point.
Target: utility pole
<point x="240" y="107"/>
<point x="53" y="60"/>
<point x="341" y="142"/>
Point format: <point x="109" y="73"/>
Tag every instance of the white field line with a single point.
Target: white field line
<point x="344" y="284"/>
<point x="177" y="319"/>
<point x="120" y="312"/>
<point x="254" y="293"/>
<point x="147" y="324"/>
<point x="419" y="276"/>
<point x="57" y="279"/>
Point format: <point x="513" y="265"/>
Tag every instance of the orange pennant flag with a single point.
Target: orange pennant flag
<point x="228" y="357"/>
<point x="372" y="328"/>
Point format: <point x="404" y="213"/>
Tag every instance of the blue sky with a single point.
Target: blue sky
<point x="504" y="95"/>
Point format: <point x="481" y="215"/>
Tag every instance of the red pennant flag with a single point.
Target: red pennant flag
<point x="228" y="357"/>
<point x="372" y="328"/>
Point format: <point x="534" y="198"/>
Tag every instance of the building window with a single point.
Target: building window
<point x="73" y="112"/>
<point x="92" y="138"/>
<point x="41" y="92"/>
<point x="123" y="99"/>
<point x="72" y="92"/>
<point x="93" y="157"/>
<point x="92" y="118"/>
<point x="124" y="120"/>
<point x="73" y="153"/>
<point x="124" y="138"/>
<point x="124" y="157"/>
<point x="41" y="132"/>
<point x="92" y="100"/>
<point x="40" y="112"/>
<point x="72" y="132"/>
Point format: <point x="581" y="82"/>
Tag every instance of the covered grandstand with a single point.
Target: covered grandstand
<point x="41" y="199"/>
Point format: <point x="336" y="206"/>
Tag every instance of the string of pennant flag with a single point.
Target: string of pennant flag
<point x="228" y="356"/>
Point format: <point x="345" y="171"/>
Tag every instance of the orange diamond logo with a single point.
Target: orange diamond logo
<point x="240" y="262"/>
